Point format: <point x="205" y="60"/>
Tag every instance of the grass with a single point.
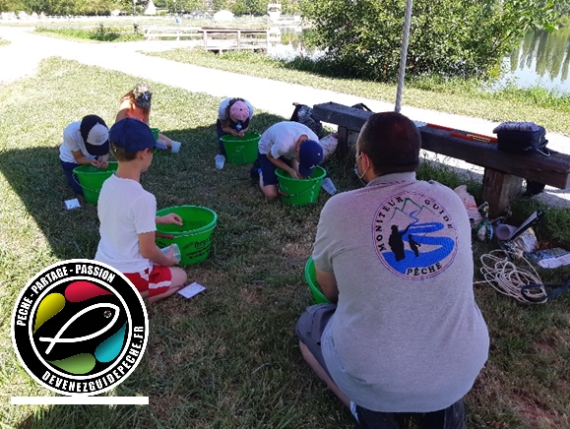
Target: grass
<point x="452" y="95"/>
<point x="4" y="42"/>
<point x="229" y="357"/>
<point x="100" y="34"/>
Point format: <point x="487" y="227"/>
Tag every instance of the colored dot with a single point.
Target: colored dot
<point x="107" y="314"/>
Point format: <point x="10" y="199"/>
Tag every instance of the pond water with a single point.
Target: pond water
<point x="542" y="59"/>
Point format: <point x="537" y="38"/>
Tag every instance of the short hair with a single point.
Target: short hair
<point x="121" y="155"/>
<point x="391" y="141"/>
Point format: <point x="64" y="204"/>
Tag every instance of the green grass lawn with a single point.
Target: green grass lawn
<point x="454" y="96"/>
<point x="229" y="357"/>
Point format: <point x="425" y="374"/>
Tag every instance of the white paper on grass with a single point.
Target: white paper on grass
<point x="72" y="204"/>
<point x="191" y="290"/>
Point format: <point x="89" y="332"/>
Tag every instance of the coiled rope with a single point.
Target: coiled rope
<point x="522" y="284"/>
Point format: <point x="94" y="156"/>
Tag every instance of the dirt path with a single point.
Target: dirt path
<point x="22" y="56"/>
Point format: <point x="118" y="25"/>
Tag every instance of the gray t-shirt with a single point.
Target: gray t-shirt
<point x="407" y="335"/>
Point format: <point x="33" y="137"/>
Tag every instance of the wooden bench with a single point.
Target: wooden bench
<point x="504" y="172"/>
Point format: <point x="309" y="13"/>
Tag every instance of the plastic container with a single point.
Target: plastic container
<point x="176" y="253"/>
<point x="241" y="150"/>
<point x="311" y="277"/>
<point x="91" y="179"/>
<point x="194" y="237"/>
<point x="299" y="192"/>
<point x="220" y="160"/>
<point x="329" y="186"/>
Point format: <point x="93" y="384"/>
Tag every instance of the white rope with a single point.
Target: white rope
<point x="505" y="277"/>
<point x="403" y="56"/>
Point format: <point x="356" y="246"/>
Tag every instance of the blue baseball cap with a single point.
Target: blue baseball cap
<point x="310" y="155"/>
<point x="131" y="135"/>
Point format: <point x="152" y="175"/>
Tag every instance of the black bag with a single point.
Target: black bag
<point x="521" y="137"/>
<point x="304" y="115"/>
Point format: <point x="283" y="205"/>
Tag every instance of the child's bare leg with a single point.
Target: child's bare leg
<point x="179" y="278"/>
<point x="270" y="191"/>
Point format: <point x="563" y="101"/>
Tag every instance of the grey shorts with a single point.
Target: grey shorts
<point x="311" y="326"/>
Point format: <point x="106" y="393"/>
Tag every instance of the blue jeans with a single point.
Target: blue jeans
<point x="72" y="179"/>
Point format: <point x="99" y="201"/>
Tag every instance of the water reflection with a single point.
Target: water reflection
<point x="542" y="59"/>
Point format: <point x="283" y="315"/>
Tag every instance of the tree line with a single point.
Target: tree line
<point x="105" y="7"/>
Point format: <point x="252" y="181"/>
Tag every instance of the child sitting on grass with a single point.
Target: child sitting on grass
<point x="128" y="217"/>
<point x="136" y="104"/>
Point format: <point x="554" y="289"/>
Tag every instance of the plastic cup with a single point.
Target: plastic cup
<point x="177" y="255"/>
<point x="220" y="160"/>
<point x="328" y="186"/>
<point x="175" y="147"/>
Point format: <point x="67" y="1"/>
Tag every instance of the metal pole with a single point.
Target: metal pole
<point x="403" y="56"/>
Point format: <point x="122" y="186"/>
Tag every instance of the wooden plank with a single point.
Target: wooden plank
<point x="553" y="170"/>
<point x="339" y="114"/>
<point x="499" y="189"/>
<point x="342" y="142"/>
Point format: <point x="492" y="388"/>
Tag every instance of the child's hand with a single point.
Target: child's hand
<point x="172" y="218"/>
<point x="241" y="133"/>
<point x="294" y="174"/>
<point x="95" y="163"/>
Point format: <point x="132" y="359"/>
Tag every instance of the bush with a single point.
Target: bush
<point x="450" y="38"/>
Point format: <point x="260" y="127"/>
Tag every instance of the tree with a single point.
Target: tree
<point x="447" y="37"/>
<point x="256" y="7"/>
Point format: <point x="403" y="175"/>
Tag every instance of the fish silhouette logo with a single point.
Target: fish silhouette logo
<point x="79" y="327"/>
<point x="414" y="236"/>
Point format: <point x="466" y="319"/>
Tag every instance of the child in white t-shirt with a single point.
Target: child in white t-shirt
<point x="128" y="217"/>
<point x="290" y="146"/>
<point x="85" y="142"/>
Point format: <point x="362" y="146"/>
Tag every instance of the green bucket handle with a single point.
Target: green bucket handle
<point x="171" y="236"/>
<point x="85" y="187"/>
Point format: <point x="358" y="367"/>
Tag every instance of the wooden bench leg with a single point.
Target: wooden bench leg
<point x="342" y="145"/>
<point x="499" y="189"/>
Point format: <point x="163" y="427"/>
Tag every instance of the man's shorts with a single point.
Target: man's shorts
<point x="310" y="328"/>
<point x="157" y="282"/>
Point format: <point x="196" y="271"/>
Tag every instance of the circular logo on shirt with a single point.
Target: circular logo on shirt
<point x="79" y="327"/>
<point x="414" y="236"/>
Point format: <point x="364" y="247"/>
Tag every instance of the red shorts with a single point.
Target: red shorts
<point x="157" y="282"/>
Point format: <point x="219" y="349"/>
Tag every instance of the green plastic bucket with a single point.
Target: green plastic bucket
<point x="91" y="179"/>
<point x="194" y="237"/>
<point x="241" y="150"/>
<point x="155" y="132"/>
<point x="299" y="192"/>
<point x="311" y="277"/>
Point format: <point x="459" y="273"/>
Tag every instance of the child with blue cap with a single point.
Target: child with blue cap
<point x="290" y="146"/>
<point x="85" y="142"/>
<point x="128" y="216"/>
